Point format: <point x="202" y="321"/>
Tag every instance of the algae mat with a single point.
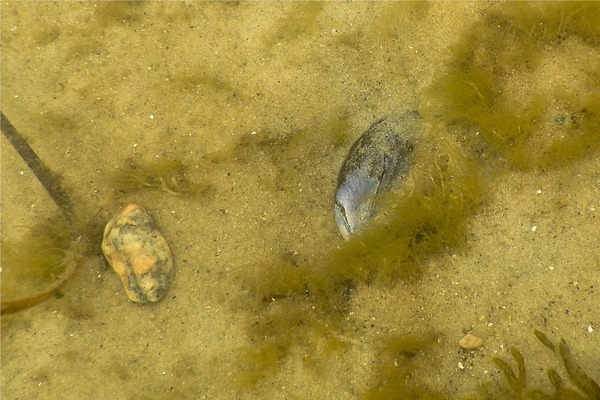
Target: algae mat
<point x="229" y="123"/>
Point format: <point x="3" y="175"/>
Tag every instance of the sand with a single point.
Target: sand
<point x="245" y="95"/>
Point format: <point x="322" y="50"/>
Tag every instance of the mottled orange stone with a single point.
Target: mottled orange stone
<point x="139" y="254"/>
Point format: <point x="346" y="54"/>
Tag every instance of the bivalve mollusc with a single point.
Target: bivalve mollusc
<point x="378" y="158"/>
<point x="139" y="254"/>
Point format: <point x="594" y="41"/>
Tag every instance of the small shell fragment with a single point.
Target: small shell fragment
<point x="139" y="254"/>
<point x="470" y="342"/>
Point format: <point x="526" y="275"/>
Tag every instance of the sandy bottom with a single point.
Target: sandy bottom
<point x="249" y="98"/>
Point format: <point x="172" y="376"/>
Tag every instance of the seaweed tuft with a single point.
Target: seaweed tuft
<point x="35" y="267"/>
<point x="166" y="175"/>
<point x="582" y="387"/>
<point x="397" y="358"/>
<point x="477" y="95"/>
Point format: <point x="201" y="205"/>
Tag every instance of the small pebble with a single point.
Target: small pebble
<point x="470" y="342"/>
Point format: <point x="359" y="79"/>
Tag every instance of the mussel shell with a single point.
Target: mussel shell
<point x="380" y="157"/>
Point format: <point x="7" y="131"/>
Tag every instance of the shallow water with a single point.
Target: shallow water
<point x="261" y="102"/>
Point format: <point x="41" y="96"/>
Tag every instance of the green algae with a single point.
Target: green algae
<point x="472" y="93"/>
<point x="397" y="361"/>
<point x="302" y="18"/>
<point x="170" y="176"/>
<point x="297" y="304"/>
<point x="581" y="387"/>
<point x="300" y="304"/>
<point x="294" y="303"/>
<point x="36" y="266"/>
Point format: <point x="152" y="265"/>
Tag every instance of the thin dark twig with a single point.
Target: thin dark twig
<point x="39" y="169"/>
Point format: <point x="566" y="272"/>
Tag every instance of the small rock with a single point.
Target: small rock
<point x="470" y="342"/>
<point x="139" y="254"/>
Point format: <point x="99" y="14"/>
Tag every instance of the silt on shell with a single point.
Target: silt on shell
<point x="375" y="161"/>
<point x="139" y="254"/>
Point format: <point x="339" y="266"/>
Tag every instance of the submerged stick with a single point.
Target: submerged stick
<point x="60" y="198"/>
<point x="39" y="169"/>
